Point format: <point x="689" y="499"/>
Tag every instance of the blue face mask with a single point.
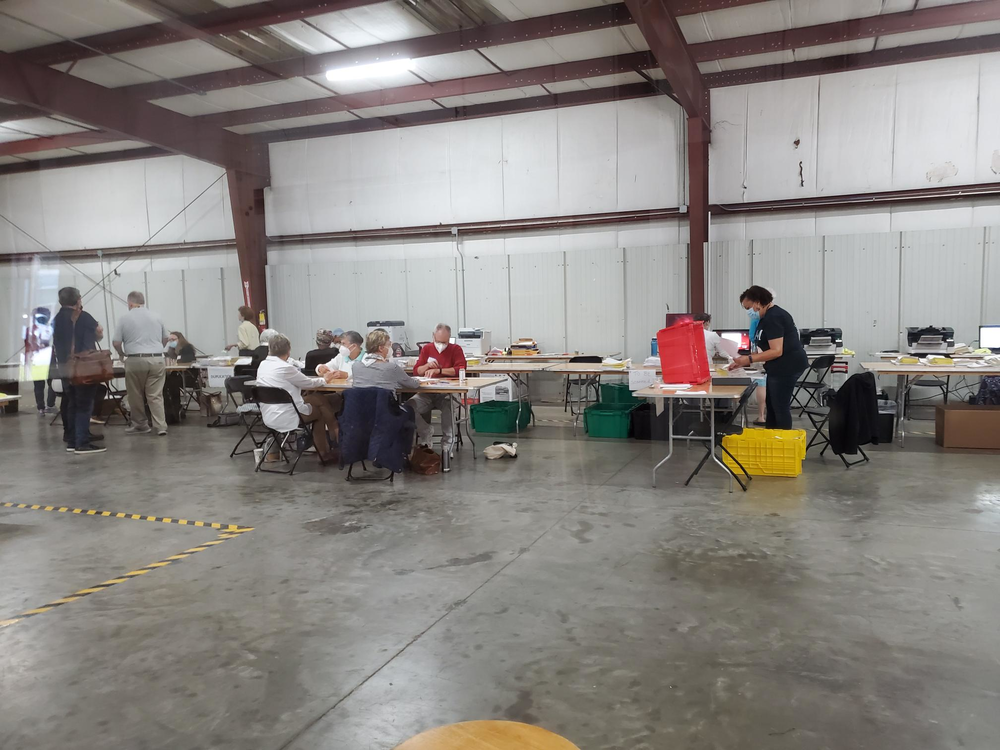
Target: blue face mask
<point x="754" y="315"/>
<point x="172" y="344"/>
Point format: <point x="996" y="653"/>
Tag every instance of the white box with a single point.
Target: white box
<point x="639" y="379"/>
<point x="217" y="376"/>
<point x="505" y="391"/>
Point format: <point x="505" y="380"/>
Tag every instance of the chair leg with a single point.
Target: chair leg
<point x="249" y="433"/>
<point x="737" y="462"/>
<point x="848" y="464"/>
<point x="708" y="454"/>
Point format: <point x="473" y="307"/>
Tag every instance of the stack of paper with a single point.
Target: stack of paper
<point x="616" y="363"/>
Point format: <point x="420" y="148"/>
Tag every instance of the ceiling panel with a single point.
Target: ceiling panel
<point x="564" y="87"/>
<point x="486" y="97"/>
<point x="829" y="50"/>
<point x="454" y="65"/>
<point x="814" y="12"/>
<point x="43" y="126"/>
<point x="618" y="79"/>
<point x="518" y="9"/>
<point x="747" y="19"/>
<point x="753" y="61"/>
<point x="360" y="27"/>
<point x="145" y="65"/>
<point x="979" y="29"/>
<point x="51" y="154"/>
<point x="918" y="37"/>
<point x="293" y="122"/>
<point x="7" y="135"/>
<point x="367" y="84"/>
<point x="64" y="18"/>
<point x="10" y="160"/>
<point x="395" y="109"/>
<point x="244" y="97"/>
<point x="523" y="55"/>
<point x="102" y="148"/>
<point x="305" y="37"/>
<point x="712" y="66"/>
<point x="599" y="43"/>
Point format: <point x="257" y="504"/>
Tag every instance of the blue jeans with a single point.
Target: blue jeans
<point x="79" y="400"/>
<point x="40" y="401"/>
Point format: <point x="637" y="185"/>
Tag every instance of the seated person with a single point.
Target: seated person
<point x="439" y="358"/>
<point x="179" y="349"/>
<point x="326" y="347"/>
<point x="339" y="368"/>
<point x="376" y="370"/>
<point x="261" y="352"/>
<point x="712" y="340"/>
<point x="277" y="371"/>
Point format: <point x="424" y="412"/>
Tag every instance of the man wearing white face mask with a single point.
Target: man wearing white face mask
<point x="340" y="367"/>
<point x="438" y="359"/>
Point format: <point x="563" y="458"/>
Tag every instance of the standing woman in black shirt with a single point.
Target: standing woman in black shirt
<point x="781" y="353"/>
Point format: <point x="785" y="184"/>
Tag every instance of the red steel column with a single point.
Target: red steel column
<point x="698" y="139"/>
<point x="246" y="196"/>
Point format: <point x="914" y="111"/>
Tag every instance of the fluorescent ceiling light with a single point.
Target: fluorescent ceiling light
<point x="373" y="70"/>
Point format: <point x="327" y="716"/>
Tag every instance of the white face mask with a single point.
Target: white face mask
<point x="439" y="346"/>
<point x="345" y="352"/>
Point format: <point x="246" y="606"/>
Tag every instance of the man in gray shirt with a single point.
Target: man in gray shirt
<point x="139" y="339"/>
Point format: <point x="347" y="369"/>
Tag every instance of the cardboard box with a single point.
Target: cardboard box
<point x="960" y="425"/>
<point x="504" y="391"/>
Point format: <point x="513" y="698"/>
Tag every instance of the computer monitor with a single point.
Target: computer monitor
<point x="989" y="337"/>
<point x="675" y="318"/>
<point x="739" y="336"/>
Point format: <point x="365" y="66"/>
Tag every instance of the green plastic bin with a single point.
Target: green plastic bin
<point x="618" y="393"/>
<point x="608" y="420"/>
<point x="499" y="416"/>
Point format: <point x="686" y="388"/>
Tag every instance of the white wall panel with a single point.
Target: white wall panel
<point x="333" y="291"/>
<point x="991" y="278"/>
<point x="936" y="121"/>
<point x="781" y="139"/>
<point x="476" y="174"/>
<point x="655" y="282"/>
<point x="531" y="165"/>
<point x="165" y="296"/>
<point x="856" y="131"/>
<point x="730" y="266"/>
<point x="942" y="281"/>
<point x="861" y="291"/>
<point x="423" y="175"/>
<point x="432" y="297"/>
<point x="650" y="137"/>
<point x="588" y="169"/>
<point x="538" y="299"/>
<point x="290" y="306"/>
<point x="113" y="295"/>
<point x="375" y="188"/>
<point x="793" y="270"/>
<point x="381" y="290"/>
<point x="988" y="132"/>
<point x="727" y="153"/>
<point x="595" y="300"/>
<point x="205" y="325"/>
<point x="487" y="296"/>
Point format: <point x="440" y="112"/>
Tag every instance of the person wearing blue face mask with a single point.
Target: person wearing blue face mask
<point x="179" y="348"/>
<point x="760" y="382"/>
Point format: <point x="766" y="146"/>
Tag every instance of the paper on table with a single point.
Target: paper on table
<point x="675" y="386"/>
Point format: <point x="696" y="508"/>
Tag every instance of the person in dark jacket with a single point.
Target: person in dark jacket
<point x="781" y="352"/>
<point x="854" y="415"/>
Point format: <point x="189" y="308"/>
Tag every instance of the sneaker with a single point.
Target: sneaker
<point x="92" y="438"/>
<point x="41" y="412"/>
<point x="161" y="433"/>
<point x="95" y="420"/>
<point x="89" y="449"/>
<point x="70" y="449"/>
<point x="135" y="430"/>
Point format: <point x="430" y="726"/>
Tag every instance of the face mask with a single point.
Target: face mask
<point x="345" y="352"/>
<point x="439" y="346"/>
<point x="754" y="315"/>
<point x="171" y="344"/>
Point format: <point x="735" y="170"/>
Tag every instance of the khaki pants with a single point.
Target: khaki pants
<point x="325" y="407"/>
<point x="144" y="379"/>
<point x="423" y="404"/>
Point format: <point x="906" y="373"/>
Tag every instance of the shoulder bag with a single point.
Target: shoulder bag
<point x="89" y="368"/>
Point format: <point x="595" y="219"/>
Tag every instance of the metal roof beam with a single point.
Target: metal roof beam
<point x="48" y="143"/>
<point x="659" y="27"/>
<point x="114" y="111"/>
<point x="212" y="23"/>
<point x="573" y="22"/>
<point x="847" y="31"/>
<point x="690" y="7"/>
<point x="570" y="71"/>
<point x="841" y="63"/>
<point x="492" y="109"/>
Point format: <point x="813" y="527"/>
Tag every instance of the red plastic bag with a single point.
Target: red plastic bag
<point x="683" y="357"/>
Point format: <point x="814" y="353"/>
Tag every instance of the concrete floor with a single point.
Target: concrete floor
<point x="844" y="609"/>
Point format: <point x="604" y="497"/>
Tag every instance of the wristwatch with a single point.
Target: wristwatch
<point x="750" y="358"/>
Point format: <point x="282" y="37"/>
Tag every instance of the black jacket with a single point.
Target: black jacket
<point x="854" y="415"/>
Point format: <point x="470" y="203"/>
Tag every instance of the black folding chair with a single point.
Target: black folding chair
<point x="820" y="368"/>
<point x="819" y="416"/>
<point x="731" y="426"/>
<point x="248" y="411"/>
<point x="583" y="383"/>
<point x="301" y="435"/>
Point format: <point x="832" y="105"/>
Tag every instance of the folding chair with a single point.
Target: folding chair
<point x="820" y="367"/>
<point x="302" y="435"/>
<point x="732" y="426"/>
<point x="583" y="383"/>
<point x="819" y="416"/>
<point x="248" y="411"/>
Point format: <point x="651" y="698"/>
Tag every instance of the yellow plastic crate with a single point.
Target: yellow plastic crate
<point x="767" y="453"/>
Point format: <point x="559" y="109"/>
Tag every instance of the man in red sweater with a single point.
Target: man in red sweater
<point x="438" y="359"/>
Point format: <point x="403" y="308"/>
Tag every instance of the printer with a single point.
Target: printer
<point x="822" y="340"/>
<point x="475" y="342"/>
<point x="396" y="330"/>
<point x="930" y="340"/>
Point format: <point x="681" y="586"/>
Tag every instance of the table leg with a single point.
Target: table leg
<point x="515" y="378"/>
<point x="468" y="431"/>
<point x="711" y="445"/>
<point x="670" y="437"/>
<point x="900" y="399"/>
